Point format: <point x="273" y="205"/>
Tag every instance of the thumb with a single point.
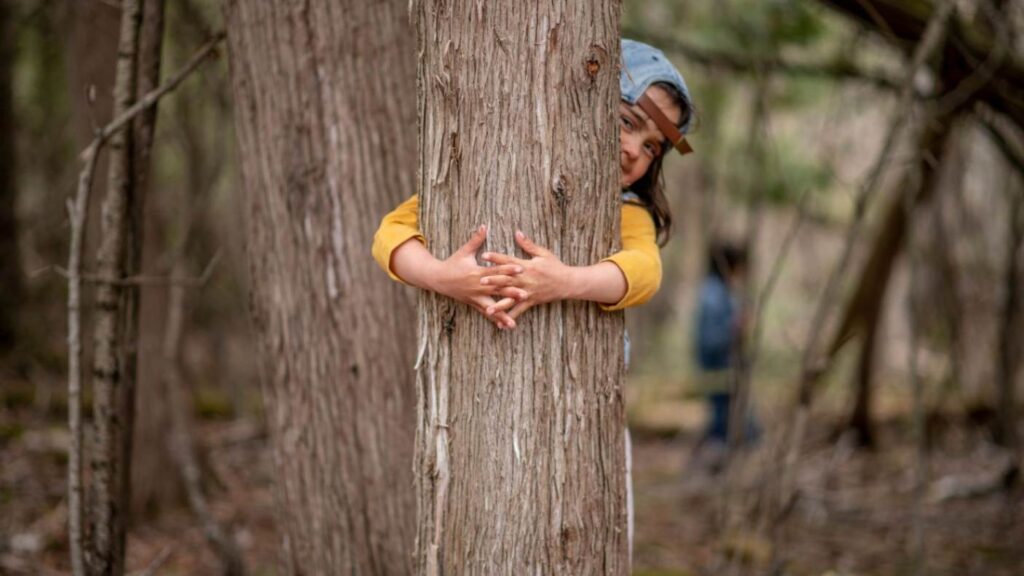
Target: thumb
<point x="528" y="245"/>
<point x="475" y="241"/>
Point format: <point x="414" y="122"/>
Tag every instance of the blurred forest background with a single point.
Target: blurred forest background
<point x="896" y="457"/>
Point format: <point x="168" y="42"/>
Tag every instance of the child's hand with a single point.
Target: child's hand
<point x="544" y="277"/>
<point x="461" y="278"/>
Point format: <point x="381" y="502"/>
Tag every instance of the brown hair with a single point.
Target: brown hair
<point x="651" y="186"/>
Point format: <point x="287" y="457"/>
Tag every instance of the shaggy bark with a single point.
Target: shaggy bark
<point x="324" y="115"/>
<point x="520" y="460"/>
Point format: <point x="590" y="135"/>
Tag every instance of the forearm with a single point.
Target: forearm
<point x="415" y="265"/>
<point x="603" y="283"/>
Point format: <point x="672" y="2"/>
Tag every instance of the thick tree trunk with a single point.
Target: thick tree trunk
<point x="10" y="259"/>
<point x="113" y="362"/>
<point x="520" y="462"/>
<point x="324" y="114"/>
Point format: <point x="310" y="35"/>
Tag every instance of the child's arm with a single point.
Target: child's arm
<point x="399" y="248"/>
<point x="628" y="278"/>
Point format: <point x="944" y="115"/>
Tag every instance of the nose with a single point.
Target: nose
<point x="630" y="145"/>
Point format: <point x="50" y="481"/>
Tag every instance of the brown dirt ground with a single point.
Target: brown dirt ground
<point x="853" y="517"/>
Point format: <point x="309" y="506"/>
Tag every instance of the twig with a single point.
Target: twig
<point x="77" y="213"/>
<point x="155" y="95"/>
<point x="181" y="438"/>
<point x="839" y="69"/>
<point x="157" y="563"/>
<point x="195" y="282"/>
<point x="990" y="121"/>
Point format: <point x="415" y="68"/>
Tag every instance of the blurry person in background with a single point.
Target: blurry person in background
<point x="719" y="329"/>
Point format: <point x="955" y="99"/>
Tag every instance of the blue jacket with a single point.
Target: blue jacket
<point x="716" y="313"/>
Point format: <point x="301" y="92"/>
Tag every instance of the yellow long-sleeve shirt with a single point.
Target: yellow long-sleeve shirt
<point x="639" y="259"/>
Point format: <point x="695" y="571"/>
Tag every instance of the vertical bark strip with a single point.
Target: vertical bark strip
<point x="520" y="465"/>
<point x="110" y="379"/>
<point x="324" y="123"/>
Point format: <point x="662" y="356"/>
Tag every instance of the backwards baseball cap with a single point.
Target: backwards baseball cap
<point x="642" y="66"/>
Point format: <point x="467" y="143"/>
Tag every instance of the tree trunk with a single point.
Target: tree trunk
<point x="113" y="362"/>
<point x="1010" y="332"/>
<point x="520" y="464"/>
<point x="152" y="488"/>
<point x="324" y="114"/>
<point x="10" y="258"/>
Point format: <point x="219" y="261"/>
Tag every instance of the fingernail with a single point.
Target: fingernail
<point x="486" y="255"/>
<point x="484" y="281"/>
<point x="519" y="269"/>
<point x="520" y="235"/>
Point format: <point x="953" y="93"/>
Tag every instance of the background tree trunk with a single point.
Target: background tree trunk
<point x="10" y="258"/>
<point x="152" y="487"/>
<point x="324" y="110"/>
<point x="113" y="375"/>
<point x="520" y="462"/>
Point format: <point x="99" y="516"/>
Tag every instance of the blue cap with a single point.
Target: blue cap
<point x="643" y="65"/>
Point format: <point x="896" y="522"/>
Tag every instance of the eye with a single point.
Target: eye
<point x="626" y="122"/>
<point x="652" y="149"/>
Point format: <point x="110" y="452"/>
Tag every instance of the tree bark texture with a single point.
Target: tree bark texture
<point x="324" y="120"/>
<point x="520" y="463"/>
<point x="112" y="374"/>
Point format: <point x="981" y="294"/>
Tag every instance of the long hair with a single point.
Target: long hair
<point x="651" y="186"/>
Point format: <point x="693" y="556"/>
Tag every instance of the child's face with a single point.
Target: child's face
<point x="640" y="141"/>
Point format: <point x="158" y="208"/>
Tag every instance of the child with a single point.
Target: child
<point x="654" y="113"/>
<point x="719" y="329"/>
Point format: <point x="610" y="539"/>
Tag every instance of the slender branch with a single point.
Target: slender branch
<point x="839" y="69"/>
<point x="195" y="282"/>
<point x="181" y="438"/>
<point x="77" y="213"/>
<point x="154" y="96"/>
<point x="1011" y="152"/>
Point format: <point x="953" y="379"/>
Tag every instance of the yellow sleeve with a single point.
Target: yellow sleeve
<point x="395" y="229"/>
<point x="639" y="259"/>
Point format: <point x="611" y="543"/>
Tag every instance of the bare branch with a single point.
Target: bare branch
<point x="839" y="69"/>
<point x="154" y="96"/>
<point x="931" y="42"/>
<point x="196" y="282"/>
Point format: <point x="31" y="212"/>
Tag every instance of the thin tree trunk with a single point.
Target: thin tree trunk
<point x="113" y="379"/>
<point x="324" y="115"/>
<point x="1010" y="333"/>
<point x="10" y="258"/>
<point x="520" y="466"/>
<point x="152" y="488"/>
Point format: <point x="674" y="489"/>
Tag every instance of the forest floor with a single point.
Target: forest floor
<point x="854" y="514"/>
